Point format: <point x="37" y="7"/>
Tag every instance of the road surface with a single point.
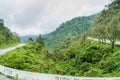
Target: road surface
<point x="40" y="76"/>
<point x="6" y="50"/>
<point x="106" y="41"/>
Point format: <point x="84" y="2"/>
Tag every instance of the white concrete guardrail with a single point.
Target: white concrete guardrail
<point x="25" y="75"/>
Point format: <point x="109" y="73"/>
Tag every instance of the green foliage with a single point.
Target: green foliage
<point x="93" y="73"/>
<point x="73" y="53"/>
<point x="24" y="39"/>
<point x="114" y="4"/>
<point x="68" y="32"/>
<point x="30" y="39"/>
<point x="40" y="42"/>
<point x="7" y="38"/>
<point x="27" y="58"/>
<point x="107" y="26"/>
<point x="88" y="58"/>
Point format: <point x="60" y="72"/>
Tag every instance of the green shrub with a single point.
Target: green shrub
<point x="93" y="73"/>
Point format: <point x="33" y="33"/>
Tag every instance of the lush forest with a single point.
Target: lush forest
<point x="69" y="31"/>
<point x="7" y="38"/>
<point x="107" y="26"/>
<point x="81" y="58"/>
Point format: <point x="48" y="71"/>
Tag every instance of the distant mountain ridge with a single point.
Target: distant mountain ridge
<point x="69" y="31"/>
<point x="78" y="56"/>
<point x="24" y="39"/>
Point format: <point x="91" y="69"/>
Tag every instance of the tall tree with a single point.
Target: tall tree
<point x="113" y="30"/>
<point x="107" y="26"/>
<point x="30" y="39"/>
<point x="40" y="42"/>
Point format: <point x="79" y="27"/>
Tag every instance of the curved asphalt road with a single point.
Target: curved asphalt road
<point x="6" y="50"/>
<point x="40" y="76"/>
<point x="107" y="41"/>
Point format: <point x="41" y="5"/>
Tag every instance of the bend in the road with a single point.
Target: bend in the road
<point x="106" y="41"/>
<point x="6" y="50"/>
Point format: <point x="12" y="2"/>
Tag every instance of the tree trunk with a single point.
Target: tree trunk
<point x="99" y="40"/>
<point x="113" y="44"/>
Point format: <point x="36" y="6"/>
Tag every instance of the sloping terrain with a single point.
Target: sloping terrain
<point x="81" y="58"/>
<point x="69" y="31"/>
<point x="7" y="38"/>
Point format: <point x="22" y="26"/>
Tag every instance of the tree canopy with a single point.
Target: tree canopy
<point x="69" y="31"/>
<point x="107" y="26"/>
<point x="7" y="38"/>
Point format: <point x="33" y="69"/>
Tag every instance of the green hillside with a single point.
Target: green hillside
<point x="107" y="26"/>
<point x="32" y="57"/>
<point x="82" y="58"/>
<point x="69" y="31"/>
<point x="7" y="38"/>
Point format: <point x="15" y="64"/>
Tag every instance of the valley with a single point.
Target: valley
<point x="85" y="46"/>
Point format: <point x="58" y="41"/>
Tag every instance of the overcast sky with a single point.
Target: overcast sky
<point x="30" y="17"/>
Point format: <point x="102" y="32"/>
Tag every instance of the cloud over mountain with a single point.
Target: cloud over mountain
<point x="43" y="16"/>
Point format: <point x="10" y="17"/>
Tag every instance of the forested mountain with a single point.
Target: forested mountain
<point x="83" y="57"/>
<point x="7" y="38"/>
<point x="107" y="26"/>
<point x="69" y="31"/>
<point x="24" y="39"/>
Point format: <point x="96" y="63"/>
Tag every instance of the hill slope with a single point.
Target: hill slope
<point x="82" y="58"/>
<point x="7" y="38"/>
<point x="69" y="31"/>
<point x="90" y="58"/>
<point x="107" y="26"/>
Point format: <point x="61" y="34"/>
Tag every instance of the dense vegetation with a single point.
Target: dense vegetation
<point x="32" y="57"/>
<point x="69" y="31"/>
<point x="107" y="26"/>
<point x="7" y="38"/>
<point x="81" y="58"/>
<point x="89" y="58"/>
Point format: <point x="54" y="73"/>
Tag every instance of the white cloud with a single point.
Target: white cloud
<point x="42" y="16"/>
